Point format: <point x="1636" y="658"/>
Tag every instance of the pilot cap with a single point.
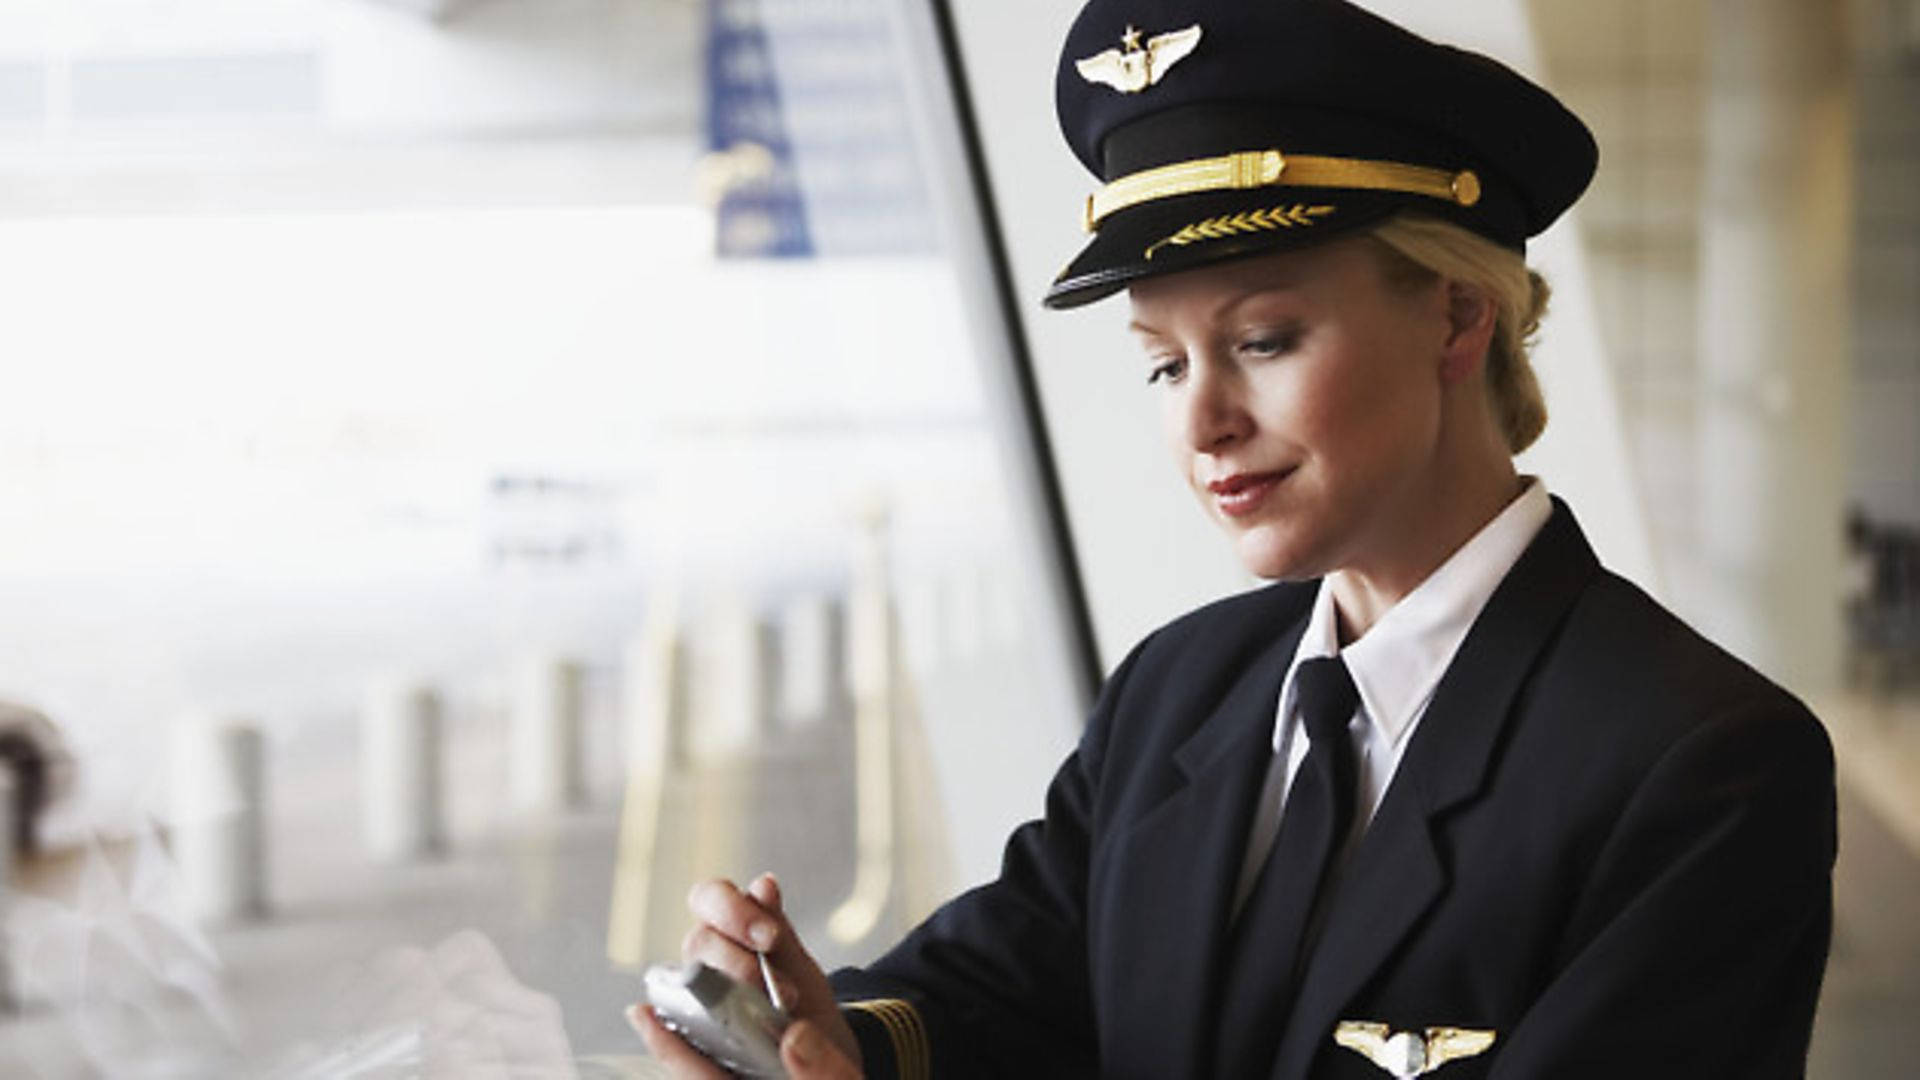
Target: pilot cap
<point x="1223" y="128"/>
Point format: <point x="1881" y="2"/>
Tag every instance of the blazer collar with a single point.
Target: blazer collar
<point x="1475" y="695"/>
<point x="1397" y="871"/>
<point x="1255" y="687"/>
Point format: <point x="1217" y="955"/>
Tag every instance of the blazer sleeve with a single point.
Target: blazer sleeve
<point x="995" y="982"/>
<point x="1697" y="945"/>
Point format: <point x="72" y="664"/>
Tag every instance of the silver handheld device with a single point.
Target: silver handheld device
<point x="735" y="1025"/>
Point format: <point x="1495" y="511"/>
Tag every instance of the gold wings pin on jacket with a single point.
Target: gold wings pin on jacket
<point x="1130" y="68"/>
<point x="1403" y="1054"/>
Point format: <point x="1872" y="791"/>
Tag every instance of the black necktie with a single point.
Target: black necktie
<point x="1268" y="945"/>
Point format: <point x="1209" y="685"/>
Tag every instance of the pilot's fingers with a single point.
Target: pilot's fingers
<point x="809" y="1055"/>
<point x="716" y="950"/>
<point x="721" y="905"/>
<point x="671" y="1050"/>
<point x="789" y="953"/>
<point x="765" y="891"/>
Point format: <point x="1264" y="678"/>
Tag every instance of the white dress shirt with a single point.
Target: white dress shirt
<point x="1395" y="665"/>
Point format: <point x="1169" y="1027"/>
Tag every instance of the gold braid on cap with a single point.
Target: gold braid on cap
<point x="1270" y="168"/>
<point x="912" y="1056"/>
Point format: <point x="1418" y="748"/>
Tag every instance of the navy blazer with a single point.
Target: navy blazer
<point x="1609" y="842"/>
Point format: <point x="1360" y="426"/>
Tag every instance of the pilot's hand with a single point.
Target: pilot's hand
<point x="733" y="926"/>
<point x="806" y="1053"/>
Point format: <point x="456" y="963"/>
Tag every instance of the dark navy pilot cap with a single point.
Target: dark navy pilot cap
<point x="1222" y="128"/>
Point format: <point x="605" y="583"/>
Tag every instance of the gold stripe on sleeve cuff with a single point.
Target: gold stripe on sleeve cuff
<point x="911" y="1053"/>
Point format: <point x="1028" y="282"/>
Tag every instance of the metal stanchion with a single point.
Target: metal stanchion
<point x="654" y="711"/>
<point x="547" y="769"/>
<point x="736" y="658"/>
<point x="220" y="817"/>
<point x="402" y="773"/>
<point x="813" y="661"/>
<point x="875" y="668"/>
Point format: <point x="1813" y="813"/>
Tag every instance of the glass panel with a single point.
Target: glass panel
<point x="468" y="471"/>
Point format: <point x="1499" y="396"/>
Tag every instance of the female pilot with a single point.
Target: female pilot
<point x="1446" y="798"/>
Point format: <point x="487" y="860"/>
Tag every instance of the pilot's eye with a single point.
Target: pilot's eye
<point x="1169" y="371"/>
<point x="1278" y="343"/>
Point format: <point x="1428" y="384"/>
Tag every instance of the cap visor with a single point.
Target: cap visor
<point x="1186" y="233"/>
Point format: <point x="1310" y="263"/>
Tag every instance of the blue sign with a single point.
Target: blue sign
<point x="810" y="140"/>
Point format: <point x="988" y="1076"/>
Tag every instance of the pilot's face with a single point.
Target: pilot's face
<point x="1302" y="395"/>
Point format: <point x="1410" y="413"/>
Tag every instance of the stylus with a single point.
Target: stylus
<point x="773" y="990"/>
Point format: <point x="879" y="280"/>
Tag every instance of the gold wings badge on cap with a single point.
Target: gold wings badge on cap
<point x="1403" y="1054"/>
<point x="1130" y="68"/>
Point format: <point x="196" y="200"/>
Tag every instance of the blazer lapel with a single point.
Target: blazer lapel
<point x="1396" y="871"/>
<point x="1164" y="908"/>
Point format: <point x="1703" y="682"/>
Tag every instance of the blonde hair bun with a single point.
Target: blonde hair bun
<point x="1434" y="248"/>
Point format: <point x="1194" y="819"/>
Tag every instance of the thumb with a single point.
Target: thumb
<point x="809" y="1055"/>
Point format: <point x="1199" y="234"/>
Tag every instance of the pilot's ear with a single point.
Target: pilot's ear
<point x="1471" y="315"/>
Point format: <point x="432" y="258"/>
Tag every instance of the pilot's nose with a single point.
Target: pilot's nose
<point x="1213" y="410"/>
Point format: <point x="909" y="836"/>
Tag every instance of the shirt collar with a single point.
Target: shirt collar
<point x="1398" y="662"/>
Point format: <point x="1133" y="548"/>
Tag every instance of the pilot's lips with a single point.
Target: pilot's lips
<point x="1242" y="493"/>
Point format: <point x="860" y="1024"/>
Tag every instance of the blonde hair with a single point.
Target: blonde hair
<point x="1428" y="248"/>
